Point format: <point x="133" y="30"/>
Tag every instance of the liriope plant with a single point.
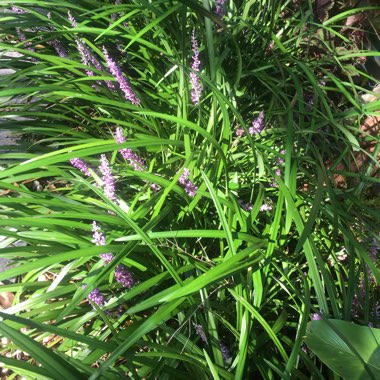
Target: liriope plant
<point x="188" y="223"/>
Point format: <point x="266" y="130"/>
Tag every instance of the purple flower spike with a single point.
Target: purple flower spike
<point x="121" y="79"/>
<point x="72" y="20"/>
<point x="96" y="297"/>
<point x="88" y="59"/>
<point x="189" y="186"/>
<point x="84" y="56"/>
<point x="196" y="85"/>
<point x="58" y="48"/>
<point x="119" y="136"/>
<point x="123" y="276"/>
<point x="225" y="351"/>
<point x="200" y="332"/>
<point x="257" y="124"/>
<point x="100" y="239"/>
<point x="108" y="179"/>
<point x="81" y="165"/>
<point x="219" y="7"/>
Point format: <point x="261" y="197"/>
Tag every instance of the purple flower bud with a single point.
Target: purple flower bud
<point x="316" y="317"/>
<point x="123" y="82"/>
<point x="196" y="86"/>
<point x="108" y="179"/>
<point x="96" y="297"/>
<point x="81" y="165"/>
<point x="123" y="276"/>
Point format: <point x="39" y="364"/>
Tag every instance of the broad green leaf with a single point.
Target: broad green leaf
<point x="350" y="350"/>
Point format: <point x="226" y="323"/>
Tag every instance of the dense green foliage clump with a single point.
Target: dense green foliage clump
<point x="196" y="181"/>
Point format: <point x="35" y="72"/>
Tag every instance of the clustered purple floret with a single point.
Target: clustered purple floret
<point x="257" y="124"/>
<point x="196" y="86"/>
<point x="121" y="79"/>
<point x="108" y="179"/>
<point x="99" y="239"/>
<point x="189" y="186"/>
<point x="316" y="317"/>
<point x="96" y="297"/>
<point x="81" y="165"/>
<point x="123" y="276"/>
